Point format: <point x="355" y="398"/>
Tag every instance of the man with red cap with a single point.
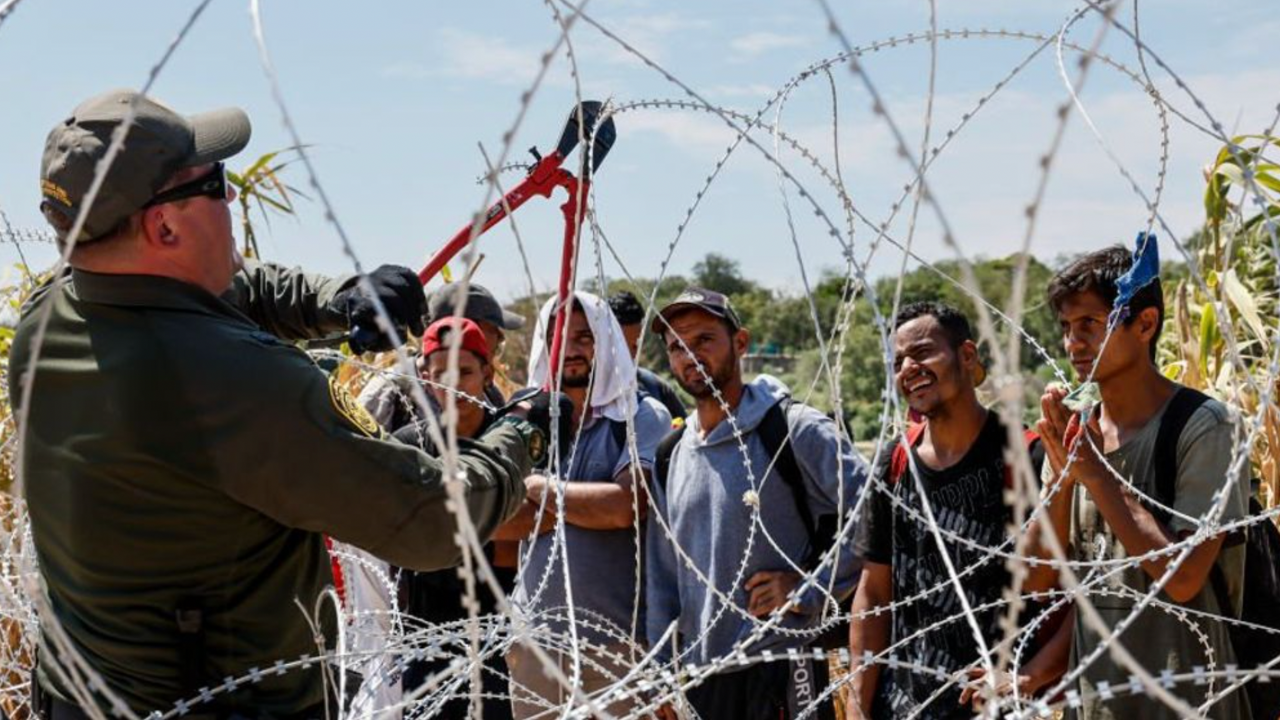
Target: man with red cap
<point x="434" y="597"/>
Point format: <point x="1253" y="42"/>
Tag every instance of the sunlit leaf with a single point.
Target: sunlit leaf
<point x="1240" y="297"/>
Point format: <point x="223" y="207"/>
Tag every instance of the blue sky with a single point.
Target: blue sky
<point x="394" y="97"/>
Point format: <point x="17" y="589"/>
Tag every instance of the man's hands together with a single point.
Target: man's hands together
<point x="1062" y="433"/>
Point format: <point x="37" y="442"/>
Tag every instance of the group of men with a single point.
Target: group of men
<point x="185" y="466"/>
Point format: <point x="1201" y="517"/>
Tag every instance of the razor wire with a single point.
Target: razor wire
<point x="647" y="682"/>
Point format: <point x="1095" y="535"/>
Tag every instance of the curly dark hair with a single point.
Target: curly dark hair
<point x="953" y="322"/>
<point x="1097" y="272"/>
<point x="626" y="308"/>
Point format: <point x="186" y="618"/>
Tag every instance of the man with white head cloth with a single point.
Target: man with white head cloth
<point x="601" y="476"/>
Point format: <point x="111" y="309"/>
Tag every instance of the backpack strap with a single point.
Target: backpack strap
<point x="898" y="461"/>
<point x="662" y="457"/>
<point x="1181" y="407"/>
<point x="619" y="432"/>
<point x="775" y="434"/>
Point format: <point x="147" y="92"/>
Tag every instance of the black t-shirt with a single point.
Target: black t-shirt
<point x="968" y="500"/>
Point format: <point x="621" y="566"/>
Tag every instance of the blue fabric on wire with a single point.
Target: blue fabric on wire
<point x="1145" y="270"/>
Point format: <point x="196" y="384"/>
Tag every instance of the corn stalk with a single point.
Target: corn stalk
<point x="1238" y="262"/>
<point x="259" y="187"/>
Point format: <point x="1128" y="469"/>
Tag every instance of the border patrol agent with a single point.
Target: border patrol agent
<point x="181" y="460"/>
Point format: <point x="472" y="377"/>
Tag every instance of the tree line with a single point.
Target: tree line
<point x="785" y="326"/>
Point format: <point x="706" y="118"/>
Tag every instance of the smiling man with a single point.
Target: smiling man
<point x="957" y="462"/>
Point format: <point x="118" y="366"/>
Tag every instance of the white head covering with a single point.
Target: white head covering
<point x="613" y="389"/>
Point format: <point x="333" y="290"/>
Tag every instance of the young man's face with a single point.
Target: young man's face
<point x="631" y="333"/>
<point x="1082" y="318"/>
<point x="494" y="336"/>
<point x="712" y="345"/>
<point x="928" y="371"/>
<point x="578" y="351"/>
<point x="473" y="376"/>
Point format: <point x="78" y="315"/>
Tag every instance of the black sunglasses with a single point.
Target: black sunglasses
<point x="212" y="184"/>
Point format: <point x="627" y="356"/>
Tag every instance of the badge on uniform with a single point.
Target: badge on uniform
<point x="348" y="408"/>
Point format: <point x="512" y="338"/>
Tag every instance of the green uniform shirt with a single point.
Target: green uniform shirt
<point x="175" y="451"/>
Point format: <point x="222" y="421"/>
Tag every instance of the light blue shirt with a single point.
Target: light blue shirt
<point x="602" y="563"/>
<point x="703" y="502"/>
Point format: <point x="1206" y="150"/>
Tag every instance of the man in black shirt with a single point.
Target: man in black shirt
<point x="957" y="461"/>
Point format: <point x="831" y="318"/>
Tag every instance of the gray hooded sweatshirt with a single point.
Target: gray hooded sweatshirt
<point x="703" y="503"/>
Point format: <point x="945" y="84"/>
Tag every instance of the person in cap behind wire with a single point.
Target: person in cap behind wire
<point x="182" y="463"/>
<point x="388" y="395"/>
<point x="483" y="309"/>
<point x="744" y="440"/>
<point x="435" y="596"/>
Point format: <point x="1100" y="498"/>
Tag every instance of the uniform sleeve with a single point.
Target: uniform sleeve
<point x="1204" y="458"/>
<point x="662" y="588"/>
<point x="287" y="302"/>
<point x="287" y="440"/>
<point x="834" y="475"/>
<point x="873" y="539"/>
<point x="652" y="422"/>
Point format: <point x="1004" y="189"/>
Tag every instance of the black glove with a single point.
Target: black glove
<point x="401" y="294"/>
<point x="539" y="416"/>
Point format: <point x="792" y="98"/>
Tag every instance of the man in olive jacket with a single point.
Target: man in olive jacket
<point x="181" y="461"/>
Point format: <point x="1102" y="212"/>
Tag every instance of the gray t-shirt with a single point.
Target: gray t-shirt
<point x="1158" y="639"/>
<point x="602" y="563"/>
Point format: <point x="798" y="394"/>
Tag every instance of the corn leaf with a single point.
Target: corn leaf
<point x="1241" y="298"/>
<point x="1208" y="336"/>
<point x="257" y="164"/>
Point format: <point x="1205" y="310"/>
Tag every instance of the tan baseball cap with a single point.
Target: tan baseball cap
<point x="160" y="142"/>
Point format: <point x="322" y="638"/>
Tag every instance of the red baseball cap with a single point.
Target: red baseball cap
<point x="437" y="337"/>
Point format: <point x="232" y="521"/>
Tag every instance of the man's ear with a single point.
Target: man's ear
<point x="972" y="359"/>
<point x="156" y="230"/>
<point x="1147" y="322"/>
<point x="741" y="341"/>
<point x="488" y="374"/>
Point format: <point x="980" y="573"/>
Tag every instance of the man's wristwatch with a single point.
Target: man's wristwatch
<point x="535" y="441"/>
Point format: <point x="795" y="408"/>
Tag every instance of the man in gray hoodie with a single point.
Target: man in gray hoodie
<point x="759" y="575"/>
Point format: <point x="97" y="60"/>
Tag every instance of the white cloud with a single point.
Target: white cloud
<point x="649" y="34"/>
<point x="473" y="56"/>
<point x="688" y="131"/>
<point x="761" y="42"/>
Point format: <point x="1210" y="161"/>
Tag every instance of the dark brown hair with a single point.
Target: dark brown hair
<point x="1097" y="272"/>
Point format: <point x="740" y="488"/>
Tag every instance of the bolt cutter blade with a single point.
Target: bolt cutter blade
<point x="582" y="124"/>
<point x="605" y="135"/>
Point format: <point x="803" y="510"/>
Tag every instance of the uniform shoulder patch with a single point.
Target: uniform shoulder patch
<point x="353" y="411"/>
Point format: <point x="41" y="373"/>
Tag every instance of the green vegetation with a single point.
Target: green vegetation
<point x="1237" y="259"/>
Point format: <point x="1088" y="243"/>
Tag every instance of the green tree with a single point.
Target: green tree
<point x="721" y="274"/>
